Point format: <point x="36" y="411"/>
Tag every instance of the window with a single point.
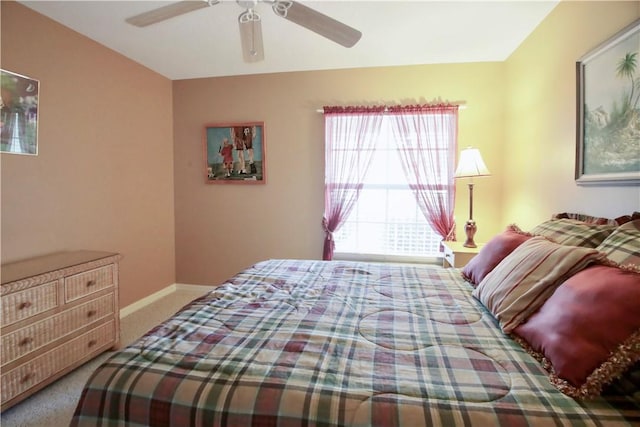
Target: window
<point x="386" y="221"/>
<point x="375" y="158"/>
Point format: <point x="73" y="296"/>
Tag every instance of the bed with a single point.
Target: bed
<point x="315" y="343"/>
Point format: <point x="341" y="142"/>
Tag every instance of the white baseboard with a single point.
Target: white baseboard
<point x="187" y="287"/>
<point x="125" y="311"/>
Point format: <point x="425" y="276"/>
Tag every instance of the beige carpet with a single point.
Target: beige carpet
<point x="54" y="405"/>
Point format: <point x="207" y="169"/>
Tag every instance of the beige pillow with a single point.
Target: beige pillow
<point x="523" y="280"/>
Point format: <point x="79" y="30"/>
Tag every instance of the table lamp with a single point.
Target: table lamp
<point x="470" y="165"/>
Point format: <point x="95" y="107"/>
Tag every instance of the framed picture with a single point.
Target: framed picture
<point x="18" y="113"/>
<point x="608" y="111"/>
<point x="234" y="153"/>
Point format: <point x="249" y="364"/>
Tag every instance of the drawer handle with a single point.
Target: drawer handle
<point x="91" y="313"/>
<point x="24" y="305"/>
<point x="26" y="341"/>
<point x="92" y="343"/>
<point x="27" y="377"/>
<point x="91" y="283"/>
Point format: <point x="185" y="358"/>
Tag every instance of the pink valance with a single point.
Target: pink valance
<point x="358" y="109"/>
<point x="423" y="108"/>
<point x="417" y="108"/>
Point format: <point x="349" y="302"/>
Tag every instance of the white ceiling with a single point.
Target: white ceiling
<point x="206" y="42"/>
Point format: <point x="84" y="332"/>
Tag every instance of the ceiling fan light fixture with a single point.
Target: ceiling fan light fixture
<point x="281" y="8"/>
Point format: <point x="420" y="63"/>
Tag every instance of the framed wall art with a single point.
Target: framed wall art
<point x="234" y="153"/>
<point x="608" y="111"/>
<point x="18" y="113"/>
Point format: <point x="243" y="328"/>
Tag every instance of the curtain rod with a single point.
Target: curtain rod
<point x="460" y="107"/>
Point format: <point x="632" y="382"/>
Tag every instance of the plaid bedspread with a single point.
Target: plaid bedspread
<point x="290" y="343"/>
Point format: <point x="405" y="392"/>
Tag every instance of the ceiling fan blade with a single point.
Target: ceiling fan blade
<point x="320" y="23"/>
<point x="251" y="37"/>
<point x="168" y="11"/>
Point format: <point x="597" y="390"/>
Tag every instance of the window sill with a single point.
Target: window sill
<point x="345" y="256"/>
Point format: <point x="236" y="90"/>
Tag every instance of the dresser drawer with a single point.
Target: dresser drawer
<point x="24" y="304"/>
<point x="49" y="364"/>
<point x="87" y="282"/>
<point x="37" y="335"/>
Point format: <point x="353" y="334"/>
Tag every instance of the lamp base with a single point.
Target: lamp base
<point x="470" y="230"/>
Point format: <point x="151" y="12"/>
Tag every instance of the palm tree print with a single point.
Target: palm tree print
<point x="612" y="132"/>
<point x="627" y="68"/>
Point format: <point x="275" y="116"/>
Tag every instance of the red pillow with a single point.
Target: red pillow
<point x="588" y="330"/>
<point x="492" y="253"/>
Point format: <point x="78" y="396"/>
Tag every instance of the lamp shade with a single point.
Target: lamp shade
<point x="471" y="164"/>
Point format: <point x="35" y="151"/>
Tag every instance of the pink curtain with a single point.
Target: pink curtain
<point x="427" y="138"/>
<point x="350" y="136"/>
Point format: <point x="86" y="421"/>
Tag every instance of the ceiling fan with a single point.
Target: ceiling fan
<point x="250" y="22"/>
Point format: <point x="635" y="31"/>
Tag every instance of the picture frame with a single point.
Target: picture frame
<point x="234" y="153"/>
<point x="18" y="113"/>
<point x="608" y="111"/>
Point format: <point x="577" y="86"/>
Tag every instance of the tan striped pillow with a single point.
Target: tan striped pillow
<point x="523" y="280"/>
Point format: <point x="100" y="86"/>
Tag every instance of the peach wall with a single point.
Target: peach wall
<point x="103" y="178"/>
<point x="223" y="228"/>
<point x="114" y="151"/>
<point x="541" y="116"/>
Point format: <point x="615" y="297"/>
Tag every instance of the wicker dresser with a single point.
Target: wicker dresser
<point x="58" y="312"/>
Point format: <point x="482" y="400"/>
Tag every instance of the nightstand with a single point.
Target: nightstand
<point x="456" y="255"/>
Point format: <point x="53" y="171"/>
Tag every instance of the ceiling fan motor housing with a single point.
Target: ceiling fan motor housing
<point x="247" y="4"/>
